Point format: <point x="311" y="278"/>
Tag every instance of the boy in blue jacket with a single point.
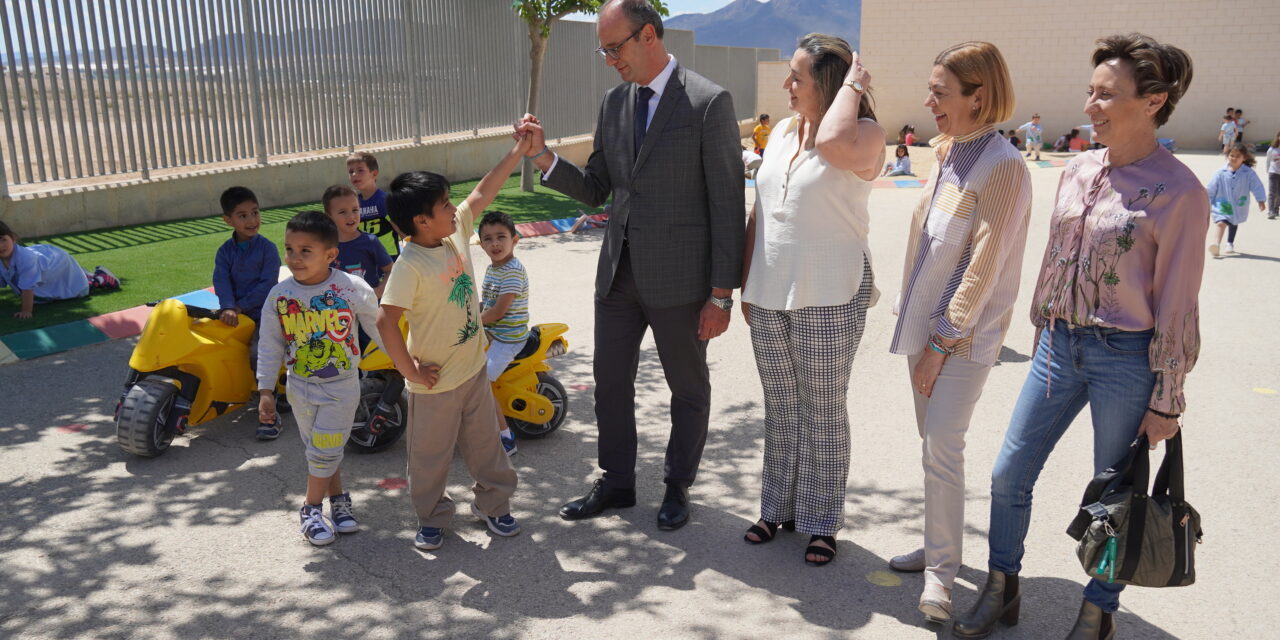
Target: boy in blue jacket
<point x="245" y="268"/>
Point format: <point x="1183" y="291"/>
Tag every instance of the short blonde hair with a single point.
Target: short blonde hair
<point x="979" y="64"/>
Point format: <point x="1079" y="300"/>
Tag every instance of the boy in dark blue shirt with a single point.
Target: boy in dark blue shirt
<point x="359" y="254"/>
<point x="247" y="265"/>
<point x="362" y="169"/>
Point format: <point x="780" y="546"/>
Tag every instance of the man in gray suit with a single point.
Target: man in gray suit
<point x="667" y="150"/>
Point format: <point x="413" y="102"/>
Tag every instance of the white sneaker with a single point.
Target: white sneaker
<point x="1213" y="250"/>
<point x="909" y="562"/>
<point x="1231" y="248"/>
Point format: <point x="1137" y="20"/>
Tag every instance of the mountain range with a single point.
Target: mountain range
<point x="777" y="24"/>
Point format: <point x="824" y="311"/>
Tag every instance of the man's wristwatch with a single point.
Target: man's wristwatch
<point x="725" y="304"/>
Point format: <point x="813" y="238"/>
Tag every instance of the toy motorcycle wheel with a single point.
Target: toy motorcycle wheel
<point x="551" y="388"/>
<point x="140" y="429"/>
<point x="372" y="438"/>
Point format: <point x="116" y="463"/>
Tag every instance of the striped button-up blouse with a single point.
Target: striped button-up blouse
<point x="964" y="256"/>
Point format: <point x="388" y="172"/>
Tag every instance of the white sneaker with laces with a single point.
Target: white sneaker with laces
<point x="909" y="562"/>
<point x="1231" y="248"/>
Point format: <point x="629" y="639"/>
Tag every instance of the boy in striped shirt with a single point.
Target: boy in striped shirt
<point x="504" y="303"/>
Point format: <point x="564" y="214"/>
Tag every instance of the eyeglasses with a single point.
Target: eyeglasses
<point x="612" y="52"/>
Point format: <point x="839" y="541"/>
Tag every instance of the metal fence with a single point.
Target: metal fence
<point x="93" y="88"/>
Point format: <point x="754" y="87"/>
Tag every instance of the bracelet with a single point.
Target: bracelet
<point x="545" y="150"/>
<point x="937" y="346"/>
<point x="1166" y="416"/>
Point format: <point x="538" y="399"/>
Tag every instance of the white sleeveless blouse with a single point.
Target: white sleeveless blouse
<point x="811" y="228"/>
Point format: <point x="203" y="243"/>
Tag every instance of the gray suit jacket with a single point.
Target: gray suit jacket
<point x="679" y="203"/>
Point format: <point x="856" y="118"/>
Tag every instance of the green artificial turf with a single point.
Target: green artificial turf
<point x="160" y="260"/>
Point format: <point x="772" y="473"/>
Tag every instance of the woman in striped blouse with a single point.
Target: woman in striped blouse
<point x="961" y="278"/>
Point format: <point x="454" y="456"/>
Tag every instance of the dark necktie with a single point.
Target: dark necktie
<point x="642" y="115"/>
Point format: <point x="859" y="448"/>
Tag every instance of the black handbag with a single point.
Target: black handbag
<point x="1130" y="537"/>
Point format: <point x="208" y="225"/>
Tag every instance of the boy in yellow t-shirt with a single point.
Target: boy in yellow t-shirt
<point x="760" y="135"/>
<point x="450" y="401"/>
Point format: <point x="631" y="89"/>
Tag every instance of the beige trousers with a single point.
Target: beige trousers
<point x="464" y="418"/>
<point x="942" y="421"/>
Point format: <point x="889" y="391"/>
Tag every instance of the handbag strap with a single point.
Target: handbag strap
<point x="1123" y="470"/>
<point x="1169" y="480"/>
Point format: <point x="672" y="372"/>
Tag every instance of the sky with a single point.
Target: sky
<point x="676" y="7"/>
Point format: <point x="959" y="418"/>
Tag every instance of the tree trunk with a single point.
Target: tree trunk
<point x="537" y="51"/>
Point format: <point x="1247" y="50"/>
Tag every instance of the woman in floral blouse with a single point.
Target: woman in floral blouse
<point x="1116" y="305"/>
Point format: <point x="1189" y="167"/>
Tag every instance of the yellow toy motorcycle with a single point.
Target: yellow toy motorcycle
<point x="187" y="368"/>
<point x="534" y="402"/>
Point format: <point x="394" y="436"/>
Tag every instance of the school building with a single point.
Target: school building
<point x="1048" y="43"/>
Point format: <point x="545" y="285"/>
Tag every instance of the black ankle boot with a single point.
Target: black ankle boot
<point x="999" y="601"/>
<point x="1092" y="624"/>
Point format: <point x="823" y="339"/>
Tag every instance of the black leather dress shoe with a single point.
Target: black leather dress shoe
<point x="597" y="500"/>
<point x="674" y="512"/>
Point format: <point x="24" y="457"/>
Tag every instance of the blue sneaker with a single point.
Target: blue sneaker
<point x="269" y="430"/>
<point x="429" y="538"/>
<point x="340" y="512"/>
<point x="315" y="526"/>
<point x="505" y="526"/>
<point x="508" y="444"/>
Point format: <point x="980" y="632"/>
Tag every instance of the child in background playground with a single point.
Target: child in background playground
<point x="1229" y="191"/>
<point x="44" y="273"/>
<point x="247" y="265"/>
<point x="1273" y="178"/>
<point x="1227" y="133"/>
<point x="760" y="135"/>
<point x="901" y="165"/>
<point x="359" y="254"/>
<point x="362" y="169"/>
<point x="1035" y="133"/>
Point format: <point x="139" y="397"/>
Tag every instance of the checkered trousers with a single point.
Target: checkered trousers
<point x="804" y="357"/>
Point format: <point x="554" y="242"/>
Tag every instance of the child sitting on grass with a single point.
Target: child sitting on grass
<point x="359" y="254"/>
<point x="310" y="327"/>
<point x="451" y="404"/>
<point x="43" y="273"/>
<point x="504" y="304"/>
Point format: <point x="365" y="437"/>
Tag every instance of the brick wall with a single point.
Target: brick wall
<point x="1050" y="62"/>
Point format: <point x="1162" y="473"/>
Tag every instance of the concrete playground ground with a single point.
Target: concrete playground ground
<point x="203" y="542"/>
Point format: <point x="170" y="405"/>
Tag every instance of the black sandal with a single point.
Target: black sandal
<point x="826" y="554"/>
<point x="766" y="533"/>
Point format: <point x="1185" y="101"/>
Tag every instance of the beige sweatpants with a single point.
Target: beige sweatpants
<point x="942" y="421"/>
<point x="464" y="418"/>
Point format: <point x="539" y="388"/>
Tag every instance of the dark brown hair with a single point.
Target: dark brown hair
<point x="6" y="231"/>
<point x="334" y="192"/>
<point x="1157" y="67"/>
<point x="831" y="58"/>
<point x="370" y="162"/>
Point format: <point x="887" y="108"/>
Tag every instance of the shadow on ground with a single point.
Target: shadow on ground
<point x="203" y="540"/>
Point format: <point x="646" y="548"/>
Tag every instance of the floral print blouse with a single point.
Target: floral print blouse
<point x="1126" y="251"/>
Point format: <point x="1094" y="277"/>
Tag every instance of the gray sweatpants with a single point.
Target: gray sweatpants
<point x="324" y="412"/>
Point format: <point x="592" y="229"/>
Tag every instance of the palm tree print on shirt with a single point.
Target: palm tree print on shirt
<point x="463" y="294"/>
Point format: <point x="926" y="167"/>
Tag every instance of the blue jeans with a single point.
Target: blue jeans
<point x="1104" y="368"/>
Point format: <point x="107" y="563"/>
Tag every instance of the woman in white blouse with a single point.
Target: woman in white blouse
<point x="808" y="285"/>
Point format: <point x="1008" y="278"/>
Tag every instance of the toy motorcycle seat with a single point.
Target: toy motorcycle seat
<point x="531" y="344"/>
